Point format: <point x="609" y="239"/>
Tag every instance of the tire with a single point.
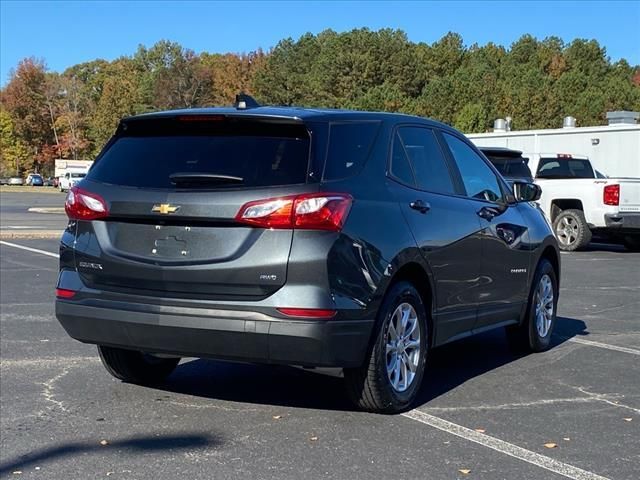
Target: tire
<point x="632" y="243"/>
<point x="136" y="367"/>
<point x="528" y="337"/>
<point x="571" y="229"/>
<point x="370" y="386"/>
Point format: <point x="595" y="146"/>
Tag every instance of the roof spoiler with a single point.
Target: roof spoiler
<point x="244" y="101"/>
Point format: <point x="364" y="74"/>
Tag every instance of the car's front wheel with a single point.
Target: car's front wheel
<point x="136" y="367"/>
<point x="534" y="333"/>
<point x="390" y="378"/>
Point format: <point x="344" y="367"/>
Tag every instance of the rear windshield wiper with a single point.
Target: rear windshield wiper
<point x="195" y="178"/>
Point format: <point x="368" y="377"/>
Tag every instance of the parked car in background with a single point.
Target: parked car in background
<point x="35" y="180"/>
<point x="385" y="236"/>
<point x="4" y="180"/>
<point x="510" y="163"/>
<point x="16" y="181"/>
<point x="51" y="182"/>
<point x="69" y="179"/>
<point x="581" y="202"/>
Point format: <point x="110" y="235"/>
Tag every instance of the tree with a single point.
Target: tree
<point x="14" y="153"/>
<point x="121" y="97"/>
<point x="25" y="99"/>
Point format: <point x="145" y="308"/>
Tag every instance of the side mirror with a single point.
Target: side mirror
<point x="526" y="192"/>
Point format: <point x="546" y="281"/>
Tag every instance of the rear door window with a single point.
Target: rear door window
<point x="147" y="153"/>
<point x="349" y="148"/>
<point x="418" y="148"/>
<point x="426" y="158"/>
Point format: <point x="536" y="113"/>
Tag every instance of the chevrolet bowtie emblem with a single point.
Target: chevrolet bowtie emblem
<point x="165" y="208"/>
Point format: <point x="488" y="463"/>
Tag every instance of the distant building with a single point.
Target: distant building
<point x="613" y="149"/>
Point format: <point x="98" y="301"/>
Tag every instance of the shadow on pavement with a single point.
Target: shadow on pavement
<point x="138" y="444"/>
<point x="448" y="367"/>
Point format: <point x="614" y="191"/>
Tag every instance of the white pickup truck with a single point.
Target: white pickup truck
<point x="69" y="178"/>
<point x="580" y="201"/>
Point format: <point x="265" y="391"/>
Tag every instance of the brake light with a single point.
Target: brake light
<point x="201" y="118"/>
<point x="564" y="155"/>
<point x="308" y="312"/>
<point x="313" y="211"/>
<point x="64" y="293"/>
<point x="611" y="195"/>
<point x="83" y="205"/>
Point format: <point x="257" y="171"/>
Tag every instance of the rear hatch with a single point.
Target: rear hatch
<point x="173" y="187"/>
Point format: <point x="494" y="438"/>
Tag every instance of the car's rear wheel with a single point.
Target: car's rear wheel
<point x="534" y="333"/>
<point x="390" y="378"/>
<point x="136" y="367"/>
<point x="571" y="230"/>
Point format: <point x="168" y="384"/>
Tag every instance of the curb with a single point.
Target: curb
<point x="29" y="234"/>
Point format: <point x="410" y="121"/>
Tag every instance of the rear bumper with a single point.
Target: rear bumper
<point x="223" y="334"/>
<point x="629" y="222"/>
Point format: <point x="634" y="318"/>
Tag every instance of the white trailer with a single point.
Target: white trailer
<point x="613" y="149"/>
<point x="63" y="166"/>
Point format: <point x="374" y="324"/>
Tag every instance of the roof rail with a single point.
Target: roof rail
<point x="244" y="101"/>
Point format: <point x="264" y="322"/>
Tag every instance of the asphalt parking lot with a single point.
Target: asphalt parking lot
<point x="483" y="412"/>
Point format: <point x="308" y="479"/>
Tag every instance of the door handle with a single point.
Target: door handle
<point x="419" y="205"/>
<point x="487" y="213"/>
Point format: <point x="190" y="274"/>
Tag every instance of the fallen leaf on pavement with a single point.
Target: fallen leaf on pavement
<point x="550" y="445"/>
<point x="17" y="472"/>
<point x="104" y="442"/>
<point x="277" y="417"/>
<point x="628" y="419"/>
<point x="314" y="439"/>
<point x="566" y="439"/>
<point x="480" y="430"/>
<point x="465" y="471"/>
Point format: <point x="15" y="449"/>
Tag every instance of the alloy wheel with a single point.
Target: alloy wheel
<point x="402" y="347"/>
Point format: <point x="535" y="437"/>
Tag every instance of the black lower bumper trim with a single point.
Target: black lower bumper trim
<point x="307" y="343"/>
<point x="629" y="222"/>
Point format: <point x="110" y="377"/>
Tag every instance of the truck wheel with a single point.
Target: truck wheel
<point x="390" y="378"/>
<point x="136" y="367"/>
<point x="632" y="242"/>
<point x="571" y="230"/>
<point x="534" y="332"/>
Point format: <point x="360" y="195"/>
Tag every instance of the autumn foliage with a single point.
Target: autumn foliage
<point x="46" y="115"/>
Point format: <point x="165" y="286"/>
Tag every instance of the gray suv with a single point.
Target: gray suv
<point x="302" y="237"/>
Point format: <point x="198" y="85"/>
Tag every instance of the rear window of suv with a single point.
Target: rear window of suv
<point x="349" y="147"/>
<point x="510" y="166"/>
<point x="147" y="152"/>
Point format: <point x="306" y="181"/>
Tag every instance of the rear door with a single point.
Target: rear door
<point x="445" y="226"/>
<point x="173" y="187"/>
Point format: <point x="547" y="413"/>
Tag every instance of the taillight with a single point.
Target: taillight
<point x="309" y="211"/>
<point x="611" y="195"/>
<point x="308" y="312"/>
<point x="64" y="293"/>
<point x="83" y="205"/>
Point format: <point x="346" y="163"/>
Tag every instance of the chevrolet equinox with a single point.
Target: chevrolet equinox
<point x="315" y="238"/>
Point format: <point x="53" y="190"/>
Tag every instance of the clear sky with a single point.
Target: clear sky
<point x="66" y="33"/>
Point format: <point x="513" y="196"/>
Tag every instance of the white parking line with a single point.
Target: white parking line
<point x="21" y="227"/>
<point x="501" y="446"/>
<point x="608" y="346"/>
<point x="29" y="249"/>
